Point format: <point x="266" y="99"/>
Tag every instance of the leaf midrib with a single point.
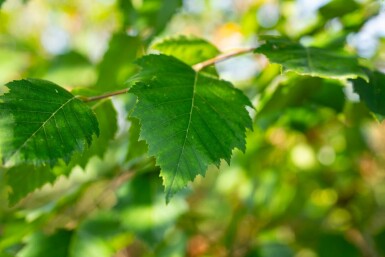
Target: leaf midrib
<point x="187" y="132"/>
<point x="39" y="128"/>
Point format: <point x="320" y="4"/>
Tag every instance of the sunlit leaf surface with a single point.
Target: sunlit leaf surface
<point x="190" y="50"/>
<point x="189" y="120"/>
<point x="41" y="122"/>
<point x="319" y="62"/>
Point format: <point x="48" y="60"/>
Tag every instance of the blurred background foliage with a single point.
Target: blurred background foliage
<point x="310" y="184"/>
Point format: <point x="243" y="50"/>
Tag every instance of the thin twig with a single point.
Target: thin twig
<point x="99" y="97"/>
<point x="199" y="66"/>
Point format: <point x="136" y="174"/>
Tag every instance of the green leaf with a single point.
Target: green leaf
<point x="118" y="62"/>
<point x="41" y="122"/>
<point x="335" y="245"/>
<point x="189" y="120"/>
<point x="56" y="245"/>
<point x="190" y="50"/>
<point x="71" y="69"/>
<point x="107" y="117"/>
<point x="318" y="62"/>
<point x="379" y="240"/>
<point x="1" y="2"/>
<point x="338" y="8"/>
<point x="275" y="249"/>
<point x="372" y="93"/>
<point x="150" y="16"/>
<point x="136" y="148"/>
<point x="101" y="235"/>
<point x="302" y="92"/>
<point x="25" y="179"/>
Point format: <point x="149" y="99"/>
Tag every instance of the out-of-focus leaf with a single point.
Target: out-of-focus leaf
<point x="372" y="92"/>
<point x="26" y="179"/>
<point x="319" y="62"/>
<point x="330" y="88"/>
<point x="107" y="117"/>
<point x="189" y="120"/>
<point x="102" y="236"/>
<point x="289" y="93"/>
<point x="338" y="8"/>
<point x="71" y="69"/>
<point x="149" y="17"/>
<point x="174" y="244"/>
<point x="41" y="122"/>
<point x="144" y="212"/>
<point x="1" y="2"/>
<point x="55" y="245"/>
<point x="301" y="92"/>
<point x="335" y="245"/>
<point x="380" y="239"/>
<point x="136" y="147"/>
<point x="12" y="63"/>
<point x="190" y="50"/>
<point x="118" y="62"/>
<point x="5" y="255"/>
<point x="275" y="249"/>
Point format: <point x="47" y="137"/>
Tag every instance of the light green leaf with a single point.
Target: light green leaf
<point x="190" y="50"/>
<point x="101" y="236"/>
<point x="372" y="93"/>
<point x="319" y="62"/>
<point x="137" y="149"/>
<point x="118" y="62"/>
<point x="41" y="122"/>
<point x="189" y="120"/>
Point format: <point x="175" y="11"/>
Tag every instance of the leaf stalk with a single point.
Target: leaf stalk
<point x="222" y="57"/>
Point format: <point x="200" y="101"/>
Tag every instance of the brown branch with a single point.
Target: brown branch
<point x="107" y="95"/>
<point x="199" y="66"/>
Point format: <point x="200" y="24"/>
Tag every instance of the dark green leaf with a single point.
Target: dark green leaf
<point x="338" y="8"/>
<point x="41" y="122"/>
<point x="330" y="88"/>
<point x="107" y="117"/>
<point x="292" y="92"/>
<point x="26" y="179"/>
<point x="56" y="245"/>
<point x="379" y="240"/>
<point x="336" y="245"/>
<point x="1" y="2"/>
<point x="372" y="93"/>
<point x="319" y="62"/>
<point x="189" y="120"/>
